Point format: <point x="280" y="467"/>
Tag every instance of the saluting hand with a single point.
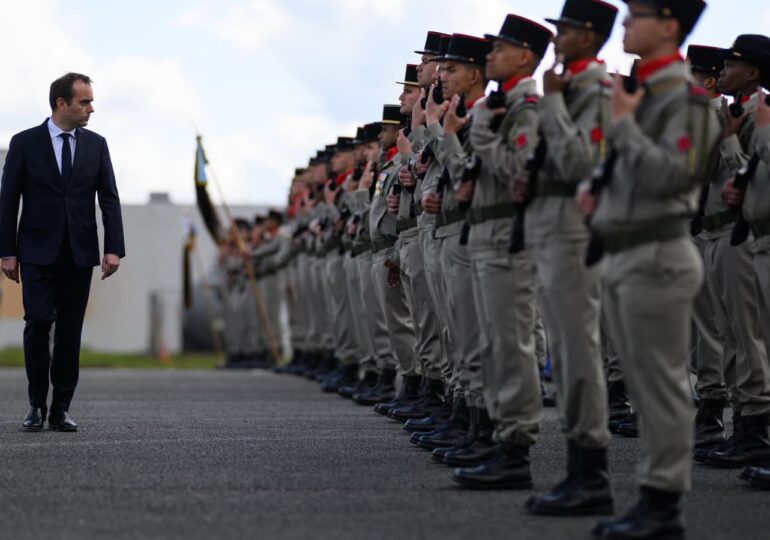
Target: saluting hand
<point x="623" y="103"/>
<point x="453" y="124"/>
<point x="110" y="265"/>
<point x="553" y="83"/>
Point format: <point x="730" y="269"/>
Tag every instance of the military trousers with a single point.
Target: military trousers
<point x="297" y="325"/>
<point x="761" y="262"/>
<point x="463" y="321"/>
<point x="392" y="301"/>
<point x="358" y="310"/>
<point x="568" y="296"/>
<point x="323" y="306"/>
<point x="375" y="316"/>
<point x="650" y="291"/>
<point x="730" y="275"/>
<point x="709" y="349"/>
<point x="431" y="250"/>
<point x="503" y="291"/>
<point x="346" y="346"/>
<point x="420" y="304"/>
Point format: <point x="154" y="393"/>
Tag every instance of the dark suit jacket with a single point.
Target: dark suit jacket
<point x="49" y="208"/>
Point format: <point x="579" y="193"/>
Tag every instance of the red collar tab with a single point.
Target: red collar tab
<point x="579" y="66"/>
<point x="511" y="83"/>
<point x="342" y="177"/>
<point x="745" y="99"/>
<point x="390" y="154"/>
<point x="648" y="69"/>
<point x="469" y="103"/>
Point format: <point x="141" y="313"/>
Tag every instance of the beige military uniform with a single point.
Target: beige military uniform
<point x="503" y="284"/>
<point x="652" y="269"/>
<point x="557" y="239"/>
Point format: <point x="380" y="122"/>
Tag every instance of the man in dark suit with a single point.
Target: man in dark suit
<point x="57" y="169"/>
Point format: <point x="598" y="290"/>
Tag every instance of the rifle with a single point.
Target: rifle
<point x="438" y="93"/>
<point x="470" y="174"/>
<point x="496" y="100"/>
<point x="534" y="164"/>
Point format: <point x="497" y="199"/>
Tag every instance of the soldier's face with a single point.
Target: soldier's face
<point x="506" y="61"/>
<point x="705" y="80"/>
<point x="408" y="98"/>
<point x="336" y="163"/>
<point x="425" y="70"/>
<point x="645" y="30"/>
<point x="735" y="76"/>
<point x="319" y="172"/>
<point x="459" y="78"/>
<point x="389" y="135"/>
<point x="572" y="42"/>
<point x="372" y="151"/>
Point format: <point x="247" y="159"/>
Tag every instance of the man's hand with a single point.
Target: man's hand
<point x="553" y="83"/>
<point x="585" y="201"/>
<point x="330" y="197"/>
<point x="392" y="202"/>
<point x="367" y="178"/>
<point x="431" y="203"/>
<point x="11" y="269"/>
<point x="730" y="194"/>
<point x="520" y="190"/>
<point x="421" y="168"/>
<point x="464" y="191"/>
<point x="623" y="103"/>
<point x="434" y="112"/>
<point x="403" y="144"/>
<point x="453" y="124"/>
<point x="394" y="274"/>
<point x="110" y="265"/>
<point x="406" y="178"/>
<point x="762" y="114"/>
<point x="351" y="228"/>
<point x="732" y="124"/>
<point x="418" y="113"/>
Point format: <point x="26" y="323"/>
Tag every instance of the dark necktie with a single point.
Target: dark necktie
<point x="66" y="159"/>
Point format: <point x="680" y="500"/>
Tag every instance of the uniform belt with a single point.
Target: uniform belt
<point x="359" y="249"/>
<point x="555" y="189"/>
<point x="719" y="220"/>
<point x="404" y="224"/>
<point x="486" y="213"/>
<point x="661" y="231"/>
<point x="447" y="218"/>
<point x="761" y="228"/>
<point x="379" y="245"/>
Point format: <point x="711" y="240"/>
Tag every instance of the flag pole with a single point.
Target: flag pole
<point x="250" y="274"/>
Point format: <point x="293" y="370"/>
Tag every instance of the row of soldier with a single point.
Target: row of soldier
<point x="610" y="218"/>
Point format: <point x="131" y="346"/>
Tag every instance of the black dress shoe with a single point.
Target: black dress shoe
<point x="656" y="515"/>
<point x="752" y="448"/>
<point x="34" y="420"/>
<point x="478" y="453"/>
<point x="430" y="400"/>
<point x="448" y="434"/>
<point x="384" y="391"/>
<point x="61" y="421"/>
<point x="585" y="491"/>
<point x="508" y="469"/>
<point x="431" y="422"/>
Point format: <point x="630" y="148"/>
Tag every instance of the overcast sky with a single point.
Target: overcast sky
<point x="267" y="82"/>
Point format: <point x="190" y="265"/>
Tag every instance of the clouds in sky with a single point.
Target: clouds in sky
<point x="267" y="82"/>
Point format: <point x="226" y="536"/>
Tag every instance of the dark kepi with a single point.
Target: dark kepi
<point x="391" y="115"/>
<point x="433" y="43"/>
<point x="705" y="59"/>
<point x="525" y="33"/>
<point x="592" y="15"/>
<point x="467" y="49"/>
<point x="410" y="76"/>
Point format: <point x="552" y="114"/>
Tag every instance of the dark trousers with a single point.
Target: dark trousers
<point x="54" y="293"/>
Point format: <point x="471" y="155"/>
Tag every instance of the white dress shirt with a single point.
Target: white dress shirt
<point x="58" y="142"/>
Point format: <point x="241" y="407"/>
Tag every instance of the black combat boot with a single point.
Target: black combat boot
<point x="549" y="399"/>
<point x="433" y="421"/>
<point x="758" y="477"/>
<point x="450" y="432"/>
<point x="656" y="515"/>
<point x="702" y="454"/>
<point x="507" y="469"/>
<point x="384" y="391"/>
<point x="753" y="448"/>
<point x="342" y="376"/>
<point x="586" y="490"/>
<point x="430" y="400"/>
<point x="709" y="424"/>
<point x="409" y="393"/>
<point x="618" y="406"/>
<point x="629" y="427"/>
<point x="475" y="448"/>
<point x="366" y="384"/>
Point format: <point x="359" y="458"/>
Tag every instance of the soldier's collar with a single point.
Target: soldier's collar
<point x="647" y="69"/>
<point x="390" y="154"/>
<point x="513" y="82"/>
<point x="579" y="66"/>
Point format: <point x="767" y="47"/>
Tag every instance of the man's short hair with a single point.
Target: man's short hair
<point x="62" y="88"/>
